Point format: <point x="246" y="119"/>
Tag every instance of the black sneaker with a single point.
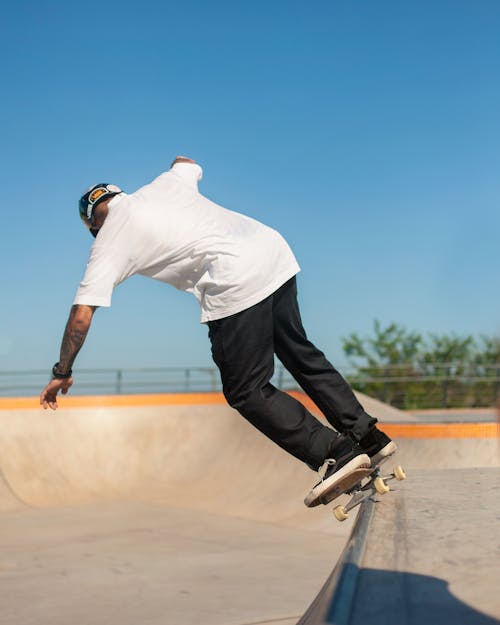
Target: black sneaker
<point x="377" y="445"/>
<point x="345" y="463"/>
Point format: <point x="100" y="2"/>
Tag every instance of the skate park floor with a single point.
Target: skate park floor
<point x="175" y="511"/>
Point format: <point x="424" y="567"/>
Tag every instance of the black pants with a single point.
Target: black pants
<point x="243" y="347"/>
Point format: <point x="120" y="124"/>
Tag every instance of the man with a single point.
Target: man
<point x="243" y="275"/>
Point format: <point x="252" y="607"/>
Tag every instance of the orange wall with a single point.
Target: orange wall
<point x="394" y="430"/>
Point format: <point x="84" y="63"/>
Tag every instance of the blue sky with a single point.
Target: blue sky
<point x="366" y="132"/>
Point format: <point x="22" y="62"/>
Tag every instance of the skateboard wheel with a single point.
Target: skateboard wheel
<point x="340" y="513"/>
<point x="399" y="473"/>
<point x="380" y="486"/>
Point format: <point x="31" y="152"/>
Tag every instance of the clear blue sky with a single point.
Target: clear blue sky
<point x="367" y="132"/>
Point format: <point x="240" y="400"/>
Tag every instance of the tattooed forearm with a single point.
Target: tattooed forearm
<point x="77" y="327"/>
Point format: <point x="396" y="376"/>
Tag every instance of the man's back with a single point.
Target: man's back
<point x="170" y="232"/>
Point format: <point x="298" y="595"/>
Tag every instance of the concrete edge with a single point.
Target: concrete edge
<point x="334" y="602"/>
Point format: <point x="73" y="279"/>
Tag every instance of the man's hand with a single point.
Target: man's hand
<point x="77" y="326"/>
<point x="183" y="159"/>
<point x="48" y="397"/>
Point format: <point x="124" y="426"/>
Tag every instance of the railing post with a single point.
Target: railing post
<point x="187" y="376"/>
<point x="386" y="385"/>
<point x="444" y="401"/>
<point x="119" y="375"/>
<point x="280" y="377"/>
<point x="213" y="375"/>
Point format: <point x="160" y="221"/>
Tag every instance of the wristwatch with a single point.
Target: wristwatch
<point x="60" y="376"/>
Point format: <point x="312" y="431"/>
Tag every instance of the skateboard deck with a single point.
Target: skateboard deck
<point x="345" y="485"/>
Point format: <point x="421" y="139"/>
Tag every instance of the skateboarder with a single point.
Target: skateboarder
<point x="243" y="275"/>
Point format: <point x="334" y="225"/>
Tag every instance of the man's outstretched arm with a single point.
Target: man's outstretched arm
<point x="77" y="327"/>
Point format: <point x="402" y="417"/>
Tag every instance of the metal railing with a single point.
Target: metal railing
<point x="428" y="385"/>
<point x="129" y="381"/>
<point x="431" y="385"/>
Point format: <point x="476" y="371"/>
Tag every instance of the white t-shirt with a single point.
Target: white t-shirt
<point x="170" y="232"/>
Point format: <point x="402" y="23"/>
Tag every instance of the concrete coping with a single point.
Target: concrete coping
<point x="334" y="602"/>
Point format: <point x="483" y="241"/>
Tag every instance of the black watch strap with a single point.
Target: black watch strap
<point x="60" y="376"/>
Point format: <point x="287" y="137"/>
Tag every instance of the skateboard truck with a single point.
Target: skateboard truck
<point x="376" y="483"/>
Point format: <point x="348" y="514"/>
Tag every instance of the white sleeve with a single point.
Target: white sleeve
<point x="191" y="173"/>
<point x="99" y="280"/>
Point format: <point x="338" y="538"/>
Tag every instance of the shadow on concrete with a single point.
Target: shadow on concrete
<point x="396" y="598"/>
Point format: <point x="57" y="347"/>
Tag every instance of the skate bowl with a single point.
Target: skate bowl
<point x="172" y="509"/>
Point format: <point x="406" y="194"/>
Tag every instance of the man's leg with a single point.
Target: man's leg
<point x="315" y="374"/>
<point x="243" y="349"/>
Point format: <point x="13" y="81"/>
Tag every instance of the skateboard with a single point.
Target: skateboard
<point x="369" y="482"/>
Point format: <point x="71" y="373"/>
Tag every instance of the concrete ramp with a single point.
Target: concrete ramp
<point x="433" y="553"/>
<point x="187" y="450"/>
<point x="430" y="552"/>
<point x="173" y="510"/>
<point x="199" y="457"/>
